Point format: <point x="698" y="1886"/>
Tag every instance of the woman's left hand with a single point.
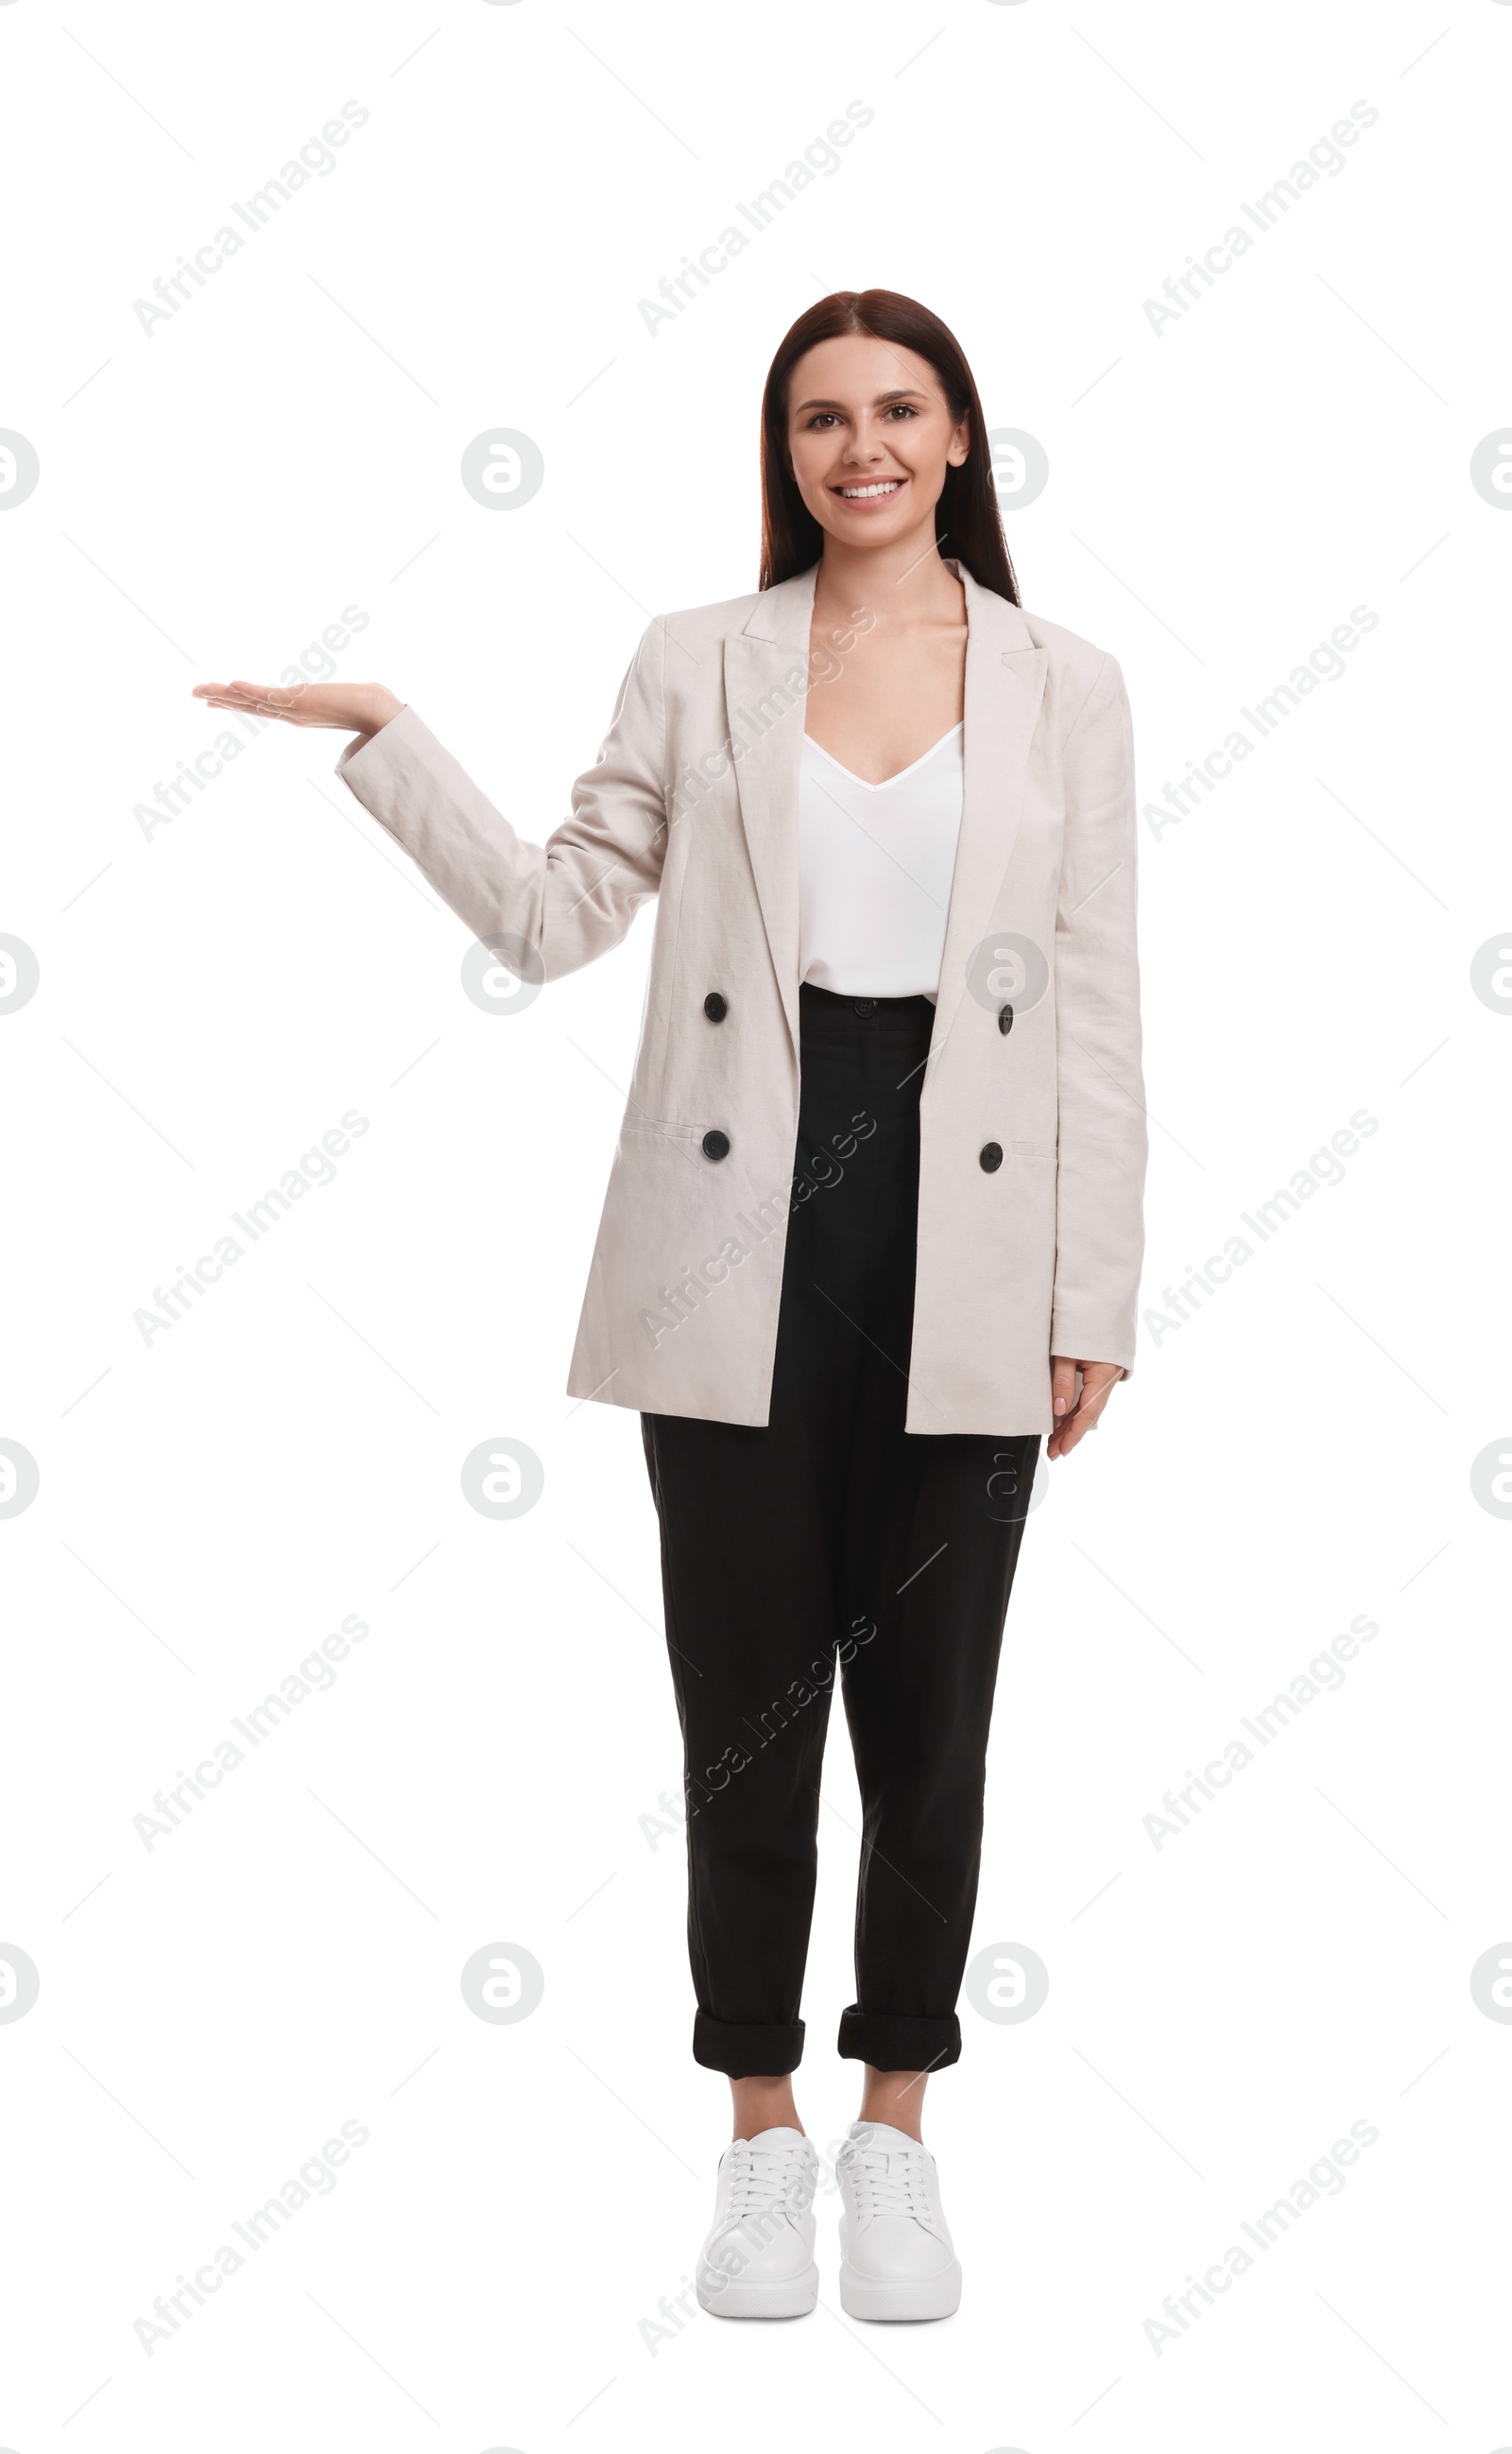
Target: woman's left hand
<point x="1076" y="1414"/>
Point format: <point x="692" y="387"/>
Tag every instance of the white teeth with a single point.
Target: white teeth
<point x="864" y="493"/>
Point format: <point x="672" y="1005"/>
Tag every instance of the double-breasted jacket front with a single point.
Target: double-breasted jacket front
<point x="1032" y="1126"/>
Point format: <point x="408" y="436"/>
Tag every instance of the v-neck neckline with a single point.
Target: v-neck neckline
<point x="888" y="781"/>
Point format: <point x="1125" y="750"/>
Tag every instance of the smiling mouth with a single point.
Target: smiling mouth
<point x="874" y="493"/>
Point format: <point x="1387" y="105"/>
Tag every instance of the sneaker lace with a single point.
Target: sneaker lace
<point x="762" y="2178"/>
<point x="891" y="2181"/>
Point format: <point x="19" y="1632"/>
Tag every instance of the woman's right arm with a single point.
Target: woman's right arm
<point x="564" y="901"/>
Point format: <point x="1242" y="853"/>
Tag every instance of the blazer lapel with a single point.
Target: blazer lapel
<point x="765" y="670"/>
<point x="765" y="667"/>
<point x="1005" y="684"/>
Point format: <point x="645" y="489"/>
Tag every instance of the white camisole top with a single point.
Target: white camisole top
<point x="875" y="863"/>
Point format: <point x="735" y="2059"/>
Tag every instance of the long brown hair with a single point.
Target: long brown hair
<point x="968" y="524"/>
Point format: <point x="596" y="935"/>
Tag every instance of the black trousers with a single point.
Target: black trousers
<point x="832" y="1543"/>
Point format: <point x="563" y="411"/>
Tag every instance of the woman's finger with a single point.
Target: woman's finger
<point x="253" y="698"/>
<point x="268" y="694"/>
<point x="1098" y="1379"/>
<point x="1074" y="1427"/>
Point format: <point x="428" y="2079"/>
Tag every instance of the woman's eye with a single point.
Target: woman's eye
<point x="902" y="408"/>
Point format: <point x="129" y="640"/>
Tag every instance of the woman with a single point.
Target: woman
<point x="874" y="1223"/>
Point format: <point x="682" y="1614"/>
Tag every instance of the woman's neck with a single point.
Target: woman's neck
<point x="904" y="585"/>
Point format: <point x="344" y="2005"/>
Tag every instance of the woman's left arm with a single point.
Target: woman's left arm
<point x="1102" y="1143"/>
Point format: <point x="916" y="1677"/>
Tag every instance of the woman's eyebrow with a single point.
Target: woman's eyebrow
<point x="903" y="391"/>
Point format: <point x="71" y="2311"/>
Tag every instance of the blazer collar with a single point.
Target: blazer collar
<point x="764" y="674"/>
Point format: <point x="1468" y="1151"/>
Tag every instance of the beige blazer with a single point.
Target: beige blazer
<point x="694" y="800"/>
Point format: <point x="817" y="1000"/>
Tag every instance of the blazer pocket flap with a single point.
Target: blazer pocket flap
<point x="662" y="1128"/>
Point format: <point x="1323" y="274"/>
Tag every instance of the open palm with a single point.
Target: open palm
<point x="343" y="707"/>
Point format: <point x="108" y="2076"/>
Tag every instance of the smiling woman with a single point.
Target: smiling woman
<point x="924" y="375"/>
<point x="888" y="1085"/>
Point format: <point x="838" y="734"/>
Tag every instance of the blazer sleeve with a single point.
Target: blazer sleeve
<point x="559" y="903"/>
<point x="1103" y="1142"/>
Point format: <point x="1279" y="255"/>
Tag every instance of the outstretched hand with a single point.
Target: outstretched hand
<point x="343" y="707"/>
<point x="1076" y="1413"/>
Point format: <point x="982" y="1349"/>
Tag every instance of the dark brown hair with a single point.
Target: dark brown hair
<point x="967" y="525"/>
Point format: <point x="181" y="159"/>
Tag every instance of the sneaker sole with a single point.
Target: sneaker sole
<point x="929" y="2296"/>
<point x="788" y="2295"/>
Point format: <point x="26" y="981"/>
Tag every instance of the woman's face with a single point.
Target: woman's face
<point x="870" y="436"/>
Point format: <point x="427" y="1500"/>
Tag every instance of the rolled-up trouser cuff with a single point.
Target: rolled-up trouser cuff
<point x="892" y="2043"/>
<point x="740" y="2052"/>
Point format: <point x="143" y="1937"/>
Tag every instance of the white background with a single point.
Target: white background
<point x="215" y="995"/>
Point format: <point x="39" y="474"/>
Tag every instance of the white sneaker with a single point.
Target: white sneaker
<point x="758" y="2260"/>
<point x="897" y="2259"/>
